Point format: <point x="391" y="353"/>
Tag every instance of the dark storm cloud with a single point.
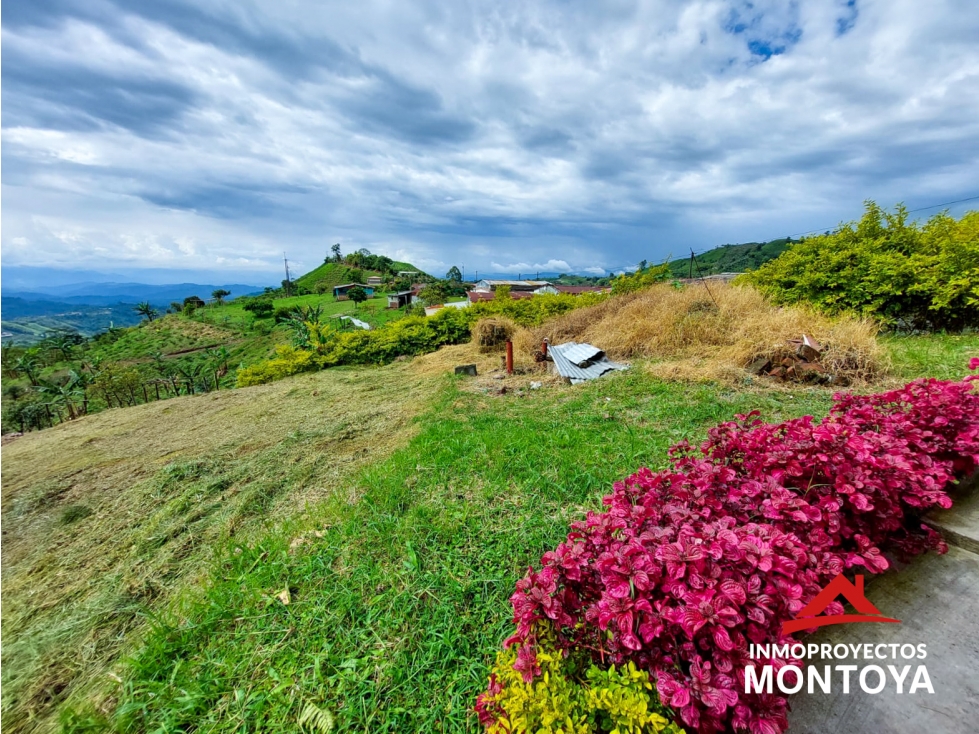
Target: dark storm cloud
<point x="76" y="98"/>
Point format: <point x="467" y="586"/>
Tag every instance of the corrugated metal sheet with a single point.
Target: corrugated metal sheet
<point x="581" y="362"/>
<point x="580" y="354"/>
<point x="356" y="322"/>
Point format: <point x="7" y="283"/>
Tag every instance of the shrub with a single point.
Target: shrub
<point x="408" y="336"/>
<point x="288" y="361"/>
<point x="532" y="311"/>
<point x="641" y="278"/>
<point x="689" y="565"/>
<point x="560" y="699"/>
<point x="260" y="308"/>
<point x="905" y="275"/>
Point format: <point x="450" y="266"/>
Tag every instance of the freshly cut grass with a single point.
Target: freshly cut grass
<point x="693" y="333"/>
<point x="492" y="333"/>
<point x="108" y="517"/>
<point x="444" y="360"/>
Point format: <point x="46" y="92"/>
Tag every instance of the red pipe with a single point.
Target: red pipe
<point x="509" y="358"/>
<point x="543" y="347"/>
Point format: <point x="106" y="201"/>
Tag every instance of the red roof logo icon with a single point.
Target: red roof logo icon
<point x="852" y="592"/>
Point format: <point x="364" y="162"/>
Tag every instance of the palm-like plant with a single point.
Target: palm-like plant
<point x="145" y="309"/>
<point x="66" y="394"/>
<point x="29" y="366"/>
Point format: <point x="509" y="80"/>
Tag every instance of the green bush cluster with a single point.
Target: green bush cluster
<point x="641" y="278"/>
<point x="907" y="276"/>
<point x="532" y="311"/>
<point x="288" y="360"/>
<point x="562" y="700"/>
<point x="408" y="336"/>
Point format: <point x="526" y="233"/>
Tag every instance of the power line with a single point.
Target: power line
<point x="910" y="211"/>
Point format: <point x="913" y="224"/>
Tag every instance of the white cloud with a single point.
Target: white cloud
<point x="551" y="266"/>
<point x="536" y="135"/>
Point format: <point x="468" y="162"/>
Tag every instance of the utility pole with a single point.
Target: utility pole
<point x="288" y="280"/>
<point x="690" y="277"/>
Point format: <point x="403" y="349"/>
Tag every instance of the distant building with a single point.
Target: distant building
<point x="401" y="299"/>
<point x="340" y="291"/>
<point x="408" y="273"/>
<point x="375" y="280"/>
<point x="477" y="296"/>
<point x="432" y="310"/>
<point x="489" y="286"/>
<point x="574" y="290"/>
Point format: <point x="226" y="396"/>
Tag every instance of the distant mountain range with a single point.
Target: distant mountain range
<point x="106" y="294"/>
<point x="90" y="307"/>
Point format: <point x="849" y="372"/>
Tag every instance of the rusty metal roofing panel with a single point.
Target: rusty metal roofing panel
<point x="588" y="369"/>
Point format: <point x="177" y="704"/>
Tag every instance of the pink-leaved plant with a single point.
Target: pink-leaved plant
<point x="689" y="565"/>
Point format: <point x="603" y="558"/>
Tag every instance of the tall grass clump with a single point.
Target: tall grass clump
<point x="693" y="332"/>
<point x="489" y="334"/>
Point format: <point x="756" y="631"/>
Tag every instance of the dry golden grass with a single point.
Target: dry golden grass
<point x="693" y="334"/>
<point x="490" y="334"/>
<point x="166" y="484"/>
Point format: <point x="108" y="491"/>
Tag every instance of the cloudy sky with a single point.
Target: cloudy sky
<point x="213" y="135"/>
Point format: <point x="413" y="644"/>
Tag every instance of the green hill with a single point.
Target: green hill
<point x="731" y="258"/>
<point x="330" y="274"/>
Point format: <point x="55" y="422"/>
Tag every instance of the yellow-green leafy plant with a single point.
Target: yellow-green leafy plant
<point x="570" y="696"/>
<point x="288" y="361"/>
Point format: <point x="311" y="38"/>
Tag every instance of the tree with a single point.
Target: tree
<point x="337" y="257"/>
<point x="28" y="366"/>
<point x="261" y="308"/>
<point x="358" y="295"/>
<point x="145" y="309"/>
<point x="219" y="295"/>
<point x="502" y="293"/>
<point x="175" y="307"/>
<point x="64" y="341"/>
<point x="454" y="274"/>
<point x="433" y="293"/>
<point x="194" y="302"/>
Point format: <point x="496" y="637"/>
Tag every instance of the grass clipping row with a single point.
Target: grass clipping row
<point x="691" y="333"/>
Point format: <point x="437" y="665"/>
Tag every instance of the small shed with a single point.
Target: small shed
<point x="374" y="280"/>
<point x="401" y="299"/>
<point x="340" y="291"/>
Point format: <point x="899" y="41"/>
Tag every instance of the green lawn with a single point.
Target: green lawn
<point x="398" y="581"/>
<point x="945" y="356"/>
<point x="374" y="311"/>
<point x="397" y="609"/>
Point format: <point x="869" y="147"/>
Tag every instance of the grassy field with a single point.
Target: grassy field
<point x="106" y="517"/>
<point x="374" y="311"/>
<point x="148" y="550"/>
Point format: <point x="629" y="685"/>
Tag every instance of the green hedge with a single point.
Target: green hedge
<point x="905" y="275"/>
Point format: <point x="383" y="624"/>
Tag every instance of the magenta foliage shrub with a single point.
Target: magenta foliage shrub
<point x="689" y="565"/>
